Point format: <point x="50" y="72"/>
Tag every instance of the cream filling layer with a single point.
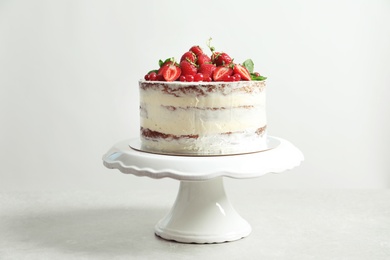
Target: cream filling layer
<point x="212" y="144"/>
<point x="200" y="115"/>
<point x="214" y="100"/>
<point x="192" y="121"/>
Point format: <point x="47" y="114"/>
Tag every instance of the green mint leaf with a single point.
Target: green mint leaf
<point x="249" y="65"/>
<point x="160" y="63"/>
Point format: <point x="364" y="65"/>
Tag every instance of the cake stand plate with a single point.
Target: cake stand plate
<point x="270" y="143"/>
<point x="202" y="213"/>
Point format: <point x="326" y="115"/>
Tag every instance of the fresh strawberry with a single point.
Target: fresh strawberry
<point x="188" y="68"/>
<point x="169" y="60"/>
<point x="170" y="71"/>
<point x="188" y="56"/>
<point x="203" y="58"/>
<point x="242" y="71"/>
<point x="162" y="66"/>
<point x="207" y="69"/>
<point x="197" y="50"/>
<point x="222" y="73"/>
<point x="221" y="58"/>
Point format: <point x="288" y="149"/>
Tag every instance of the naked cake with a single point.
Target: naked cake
<point x="203" y="105"/>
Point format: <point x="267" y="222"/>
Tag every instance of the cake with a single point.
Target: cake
<point x="186" y="109"/>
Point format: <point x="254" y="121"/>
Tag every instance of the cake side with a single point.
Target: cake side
<point x="201" y="117"/>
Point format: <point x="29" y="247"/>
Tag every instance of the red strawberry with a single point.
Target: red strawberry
<point x="189" y="56"/>
<point x="169" y="60"/>
<point x="242" y="71"/>
<point x="207" y="69"/>
<point x="197" y="50"/>
<point x="170" y="71"/>
<point x="221" y="58"/>
<point x="188" y="68"/>
<point x="222" y="73"/>
<point x="203" y="58"/>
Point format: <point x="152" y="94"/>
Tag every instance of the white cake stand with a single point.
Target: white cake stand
<point x="202" y="212"/>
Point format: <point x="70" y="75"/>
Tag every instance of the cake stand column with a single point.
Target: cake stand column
<point x="202" y="214"/>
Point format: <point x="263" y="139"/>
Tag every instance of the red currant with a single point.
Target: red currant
<point x="198" y="77"/>
<point x="160" y="77"/>
<point x="189" y="78"/>
<point x="147" y="77"/>
<point x="152" y="76"/>
<point x="237" y="77"/>
<point x="182" y="78"/>
<point x="229" y="78"/>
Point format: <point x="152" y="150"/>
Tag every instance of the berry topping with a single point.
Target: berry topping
<point x="237" y="77"/>
<point x="203" y="58"/>
<point x="189" y="78"/>
<point x="198" y="77"/>
<point x="221" y="58"/>
<point x="188" y="56"/>
<point x="152" y="75"/>
<point x="242" y="71"/>
<point x="197" y="50"/>
<point x="207" y="79"/>
<point x="195" y="65"/>
<point x="188" y="68"/>
<point x="207" y="69"/>
<point x="170" y="71"/>
<point x="222" y="73"/>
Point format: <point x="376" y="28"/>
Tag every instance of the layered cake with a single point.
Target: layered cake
<point x="215" y="111"/>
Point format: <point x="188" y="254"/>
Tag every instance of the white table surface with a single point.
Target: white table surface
<point x="294" y="224"/>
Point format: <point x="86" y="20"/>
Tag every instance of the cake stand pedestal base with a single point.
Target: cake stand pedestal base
<point x="202" y="214"/>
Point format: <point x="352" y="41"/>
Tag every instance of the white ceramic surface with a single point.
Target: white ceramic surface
<point x="127" y="160"/>
<point x="202" y="212"/>
<point x="270" y="143"/>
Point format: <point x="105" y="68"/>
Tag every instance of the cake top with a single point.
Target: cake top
<point x="197" y="66"/>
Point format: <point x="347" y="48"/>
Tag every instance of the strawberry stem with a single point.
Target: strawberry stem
<point x="212" y="49"/>
<point x="191" y="62"/>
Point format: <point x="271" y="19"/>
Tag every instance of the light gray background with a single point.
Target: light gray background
<point x="69" y="91"/>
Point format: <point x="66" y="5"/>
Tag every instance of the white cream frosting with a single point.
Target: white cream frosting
<point x="209" y="145"/>
<point x="224" y="116"/>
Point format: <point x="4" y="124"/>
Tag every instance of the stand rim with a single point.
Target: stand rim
<point x="284" y="157"/>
